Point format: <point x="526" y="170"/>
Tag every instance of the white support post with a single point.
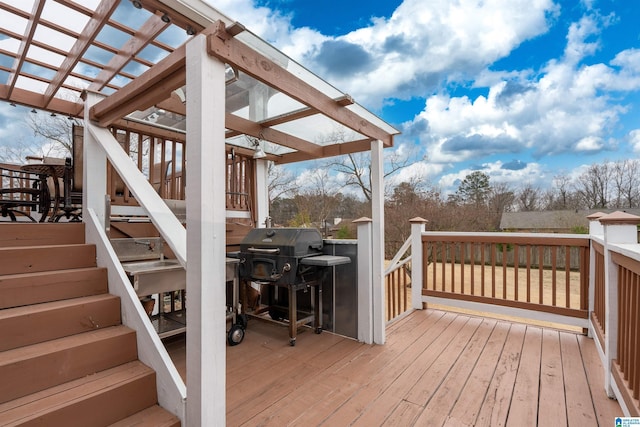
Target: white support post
<point x="619" y="228"/>
<point x="417" y="260"/>
<point x="377" y="227"/>
<point x="94" y="171"/>
<point x="206" y="250"/>
<point x="365" y="294"/>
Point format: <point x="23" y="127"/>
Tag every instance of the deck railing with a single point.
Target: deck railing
<point x="589" y="281"/>
<point x="161" y="159"/>
<point x="528" y="273"/>
<point x="598" y="317"/>
<point x="627" y="365"/>
<point x="397" y="280"/>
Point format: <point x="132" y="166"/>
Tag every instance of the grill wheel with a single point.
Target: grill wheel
<point x="235" y="335"/>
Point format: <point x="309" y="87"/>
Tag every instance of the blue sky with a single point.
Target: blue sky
<point x="523" y="90"/>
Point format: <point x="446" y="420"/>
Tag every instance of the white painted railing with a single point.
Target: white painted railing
<point x="172" y="391"/>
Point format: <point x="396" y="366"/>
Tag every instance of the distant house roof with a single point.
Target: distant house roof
<point x="560" y="221"/>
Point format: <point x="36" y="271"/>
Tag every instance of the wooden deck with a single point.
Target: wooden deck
<point x="438" y="368"/>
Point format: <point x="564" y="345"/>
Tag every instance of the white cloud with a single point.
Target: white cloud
<point x="634" y="140"/>
<point x="567" y="107"/>
<point x="498" y="173"/>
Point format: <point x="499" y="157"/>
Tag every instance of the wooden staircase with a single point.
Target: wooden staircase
<point x="65" y="357"/>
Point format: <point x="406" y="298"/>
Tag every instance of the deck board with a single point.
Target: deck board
<point x="437" y="368"/>
<point x="551" y="402"/>
<point x="495" y="407"/>
<point x="468" y="405"/>
<point x="580" y="411"/>
<point x="523" y="410"/>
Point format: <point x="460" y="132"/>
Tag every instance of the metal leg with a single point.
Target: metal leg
<point x="293" y="315"/>
<point x="317" y="307"/>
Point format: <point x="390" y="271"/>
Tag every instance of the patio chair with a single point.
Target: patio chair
<point x="23" y="194"/>
<point x="71" y="201"/>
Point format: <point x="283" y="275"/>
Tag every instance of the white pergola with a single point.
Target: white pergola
<point x="129" y="63"/>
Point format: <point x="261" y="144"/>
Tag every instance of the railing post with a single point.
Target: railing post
<point x="619" y="228"/>
<point x="94" y="169"/>
<point x="417" y="260"/>
<point x="595" y="229"/>
<point x="365" y="280"/>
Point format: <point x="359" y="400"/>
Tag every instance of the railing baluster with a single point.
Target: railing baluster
<point x="540" y="275"/>
<point x="483" y="248"/>
<point x="493" y="270"/>
<point x="462" y="264"/>
<point x="516" y="262"/>
<point x="567" y="275"/>
<point x="528" y="273"/>
<point x="473" y="268"/>
<point x="554" y="289"/>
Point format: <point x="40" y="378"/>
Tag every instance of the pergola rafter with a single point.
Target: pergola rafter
<point x="90" y="32"/>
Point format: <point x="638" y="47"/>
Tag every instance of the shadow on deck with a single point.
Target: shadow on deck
<point x="437" y="368"/>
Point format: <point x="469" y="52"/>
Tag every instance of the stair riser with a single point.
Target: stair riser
<point x="66" y="318"/>
<point x="15" y="234"/>
<point x="98" y="409"/>
<point x="46" y="258"/>
<point x="66" y="363"/>
<point x="25" y="289"/>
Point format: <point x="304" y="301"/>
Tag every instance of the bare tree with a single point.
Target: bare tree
<point x="528" y="198"/>
<point x="626" y="181"/>
<point x="281" y="182"/>
<point x="51" y="138"/>
<point x="593" y="186"/>
<point x="356" y="167"/>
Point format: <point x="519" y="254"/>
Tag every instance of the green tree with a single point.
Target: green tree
<point x="474" y="189"/>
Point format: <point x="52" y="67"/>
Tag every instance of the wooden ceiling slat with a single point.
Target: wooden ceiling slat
<point x="151" y="28"/>
<point x="24" y="44"/>
<point x="90" y="32"/>
<point x="226" y="48"/>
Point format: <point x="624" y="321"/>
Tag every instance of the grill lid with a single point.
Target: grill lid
<point x="295" y="242"/>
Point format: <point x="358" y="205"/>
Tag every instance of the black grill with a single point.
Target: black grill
<point x="291" y="258"/>
<point x="274" y="254"/>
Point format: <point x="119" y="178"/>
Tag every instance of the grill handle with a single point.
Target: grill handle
<point x="274" y="251"/>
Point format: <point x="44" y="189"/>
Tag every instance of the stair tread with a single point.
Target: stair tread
<point x="43" y="286"/>
<point x="27" y="234"/>
<point x="30" y="324"/>
<point x="40" y="402"/>
<point x="154" y="416"/>
<point x="36" y="274"/>
<point x="24" y="259"/>
<point x="34" y="350"/>
<point x="26" y="310"/>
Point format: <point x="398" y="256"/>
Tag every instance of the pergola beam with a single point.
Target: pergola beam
<point x="151" y="87"/>
<point x="327" y="151"/>
<point x="26" y="97"/>
<point x="225" y="47"/>
<point x="256" y="130"/>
